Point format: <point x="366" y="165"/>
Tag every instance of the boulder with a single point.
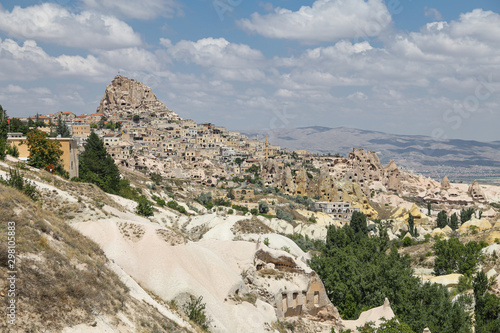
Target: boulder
<point x="475" y="223"/>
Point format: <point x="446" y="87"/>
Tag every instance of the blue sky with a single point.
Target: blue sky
<point x="399" y="66"/>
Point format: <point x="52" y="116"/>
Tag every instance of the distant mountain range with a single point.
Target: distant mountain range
<point x="426" y="155"/>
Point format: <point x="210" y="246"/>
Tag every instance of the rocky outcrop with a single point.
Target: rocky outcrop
<point x="445" y="183"/>
<point x="374" y="315"/>
<point x="475" y="192"/>
<point x="126" y="96"/>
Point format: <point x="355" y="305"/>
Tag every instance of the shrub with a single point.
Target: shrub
<point x="17" y="181"/>
<point x="144" y="206"/>
<point x="195" y="310"/>
<point x="266" y="241"/>
<point x="407" y="241"/>
<point x="263" y="207"/>
<point x="205" y="198"/>
<point x="12" y="150"/>
<point x="230" y="212"/>
<point x="285" y="248"/>
<point x="222" y="202"/>
<point x="174" y="205"/>
<point x="281" y="214"/>
<point x="254" y="211"/>
<point x="156" y="178"/>
<point x="240" y="208"/>
<point x="159" y="201"/>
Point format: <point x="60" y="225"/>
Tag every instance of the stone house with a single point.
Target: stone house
<point x="68" y="146"/>
<point x="340" y="210"/>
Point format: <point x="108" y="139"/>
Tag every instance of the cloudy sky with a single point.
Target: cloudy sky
<point x="399" y="66"/>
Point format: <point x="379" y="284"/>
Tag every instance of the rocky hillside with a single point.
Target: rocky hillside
<point x="88" y="263"/>
<point x="126" y="96"/>
<point x="419" y="153"/>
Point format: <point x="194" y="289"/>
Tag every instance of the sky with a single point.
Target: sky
<point x="417" y="67"/>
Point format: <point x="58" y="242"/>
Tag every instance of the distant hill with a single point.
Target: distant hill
<point x="422" y="154"/>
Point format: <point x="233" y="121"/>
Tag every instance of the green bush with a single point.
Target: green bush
<point x="452" y="256"/>
<point x="159" y="201"/>
<point x="144" y="206"/>
<point x="195" y="311"/>
<point x="359" y="272"/>
<point x="12" y="151"/>
<point x="174" y="205"/>
<point x="263" y="207"/>
<point x="407" y="241"/>
<point x="17" y="181"/>
<point x="243" y="209"/>
<point x="281" y="214"/>
<point x="254" y="211"/>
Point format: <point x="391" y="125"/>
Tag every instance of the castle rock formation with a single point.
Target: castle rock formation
<point x="125" y="97"/>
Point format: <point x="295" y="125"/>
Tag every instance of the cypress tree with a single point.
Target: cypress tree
<point x="98" y="167"/>
<point x="442" y="219"/>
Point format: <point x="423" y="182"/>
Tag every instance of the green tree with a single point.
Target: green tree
<point x="442" y="219"/>
<point x="263" y="207"/>
<point x="454" y="221"/>
<point x="452" y="256"/>
<point x="205" y="198"/>
<point x="466" y="214"/>
<point x="136" y="118"/>
<point x="98" y="167"/>
<point x="144" y="206"/>
<point x="411" y="226"/>
<point x="358" y="223"/>
<point x="62" y="129"/>
<point x="255" y="169"/>
<point x="3" y="132"/>
<point x="43" y="151"/>
<point x="17" y="126"/>
<point x="359" y="272"/>
<point x="487" y="308"/>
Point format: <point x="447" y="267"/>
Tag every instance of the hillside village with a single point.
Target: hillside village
<point x="222" y="208"/>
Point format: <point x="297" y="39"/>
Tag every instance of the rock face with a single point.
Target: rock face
<point x="445" y="183"/>
<point x="475" y="192"/>
<point x="126" y="96"/>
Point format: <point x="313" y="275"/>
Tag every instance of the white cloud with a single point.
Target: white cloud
<point x="144" y="10"/>
<point x="433" y="12"/>
<point x="325" y="20"/>
<point x="357" y="96"/>
<point x="54" y="24"/>
<point x="29" y="62"/>
<point x="132" y="59"/>
<point x="228" y="60"/>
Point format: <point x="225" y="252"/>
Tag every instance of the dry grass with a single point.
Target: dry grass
<point x="250" y="226"/>
<point x="62" y="276"/>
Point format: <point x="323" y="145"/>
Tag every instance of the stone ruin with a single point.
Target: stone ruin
<point x="311" y="300"/>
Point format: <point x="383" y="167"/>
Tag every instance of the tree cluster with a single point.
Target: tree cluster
<point x="452" y="256"/>
<point x="359" y="272"/>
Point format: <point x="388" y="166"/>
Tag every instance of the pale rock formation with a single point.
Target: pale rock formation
<point x="445" y="183"/>
<point x="375" y="315"/>
<point x="472" y="224"/>
<point x="126" y="96"/>
<point x="449" y="281"/>
<point x="475" y="192"/>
